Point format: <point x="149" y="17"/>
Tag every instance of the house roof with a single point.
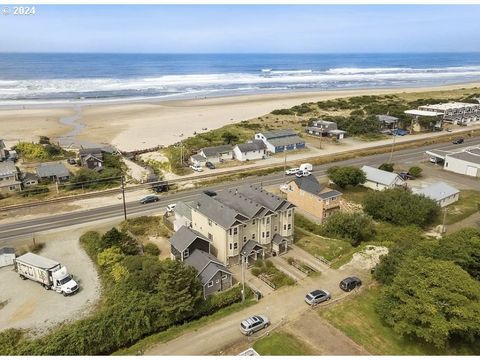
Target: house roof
<point x="8" y="168"/>
<point x="278" y="239"/>
<point x="87" y="151"/>
<point x="7" y="250"/>
<point x="184" y="237"/>
<point x="206" y="265"/>
<point x="289" y="140"/>
<point x="438" y="191"/>
<point x="278" y="133"/>
<point x="330" y="194"/>
<point x="29" y="176"/>
<point x="380" y="176"/>
<point x="265" y="198"/>
<point x="249" y="246"/>
<point x="239" y="202"/>
<point x="421" y="113"/>
<point x="91" y="156"/>
<point x="52" y="169"/>
<point x="309" y="184"/>
<point x="215" y="150"/>
<point x="387" y="119"/>
<point x="184" y="209"/>
<point x="198" y="157"/>
<point x="217" y="211"/>
<point x="255" y="145"/>
<point x="470" y="155"/>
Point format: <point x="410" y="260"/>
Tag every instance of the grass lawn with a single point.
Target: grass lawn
<point x="144" y="226"/>
<point x="353" y="194"/>
<point x="357" y="318"/>
<point x="281" y="343"/>
<point x="338" y="252"/>
<point x="177" y="331"/>
<point x="467" y="205"/>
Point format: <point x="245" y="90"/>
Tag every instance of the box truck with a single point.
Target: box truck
<point x="50" y="273"/>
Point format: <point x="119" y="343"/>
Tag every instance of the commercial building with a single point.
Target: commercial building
<point x="380" y="180"/>
<point x="442" y="193"/>
<point x="465" y="161"/>
<point x="455" y="112"/>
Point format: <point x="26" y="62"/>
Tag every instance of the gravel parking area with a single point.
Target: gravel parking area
<point x="27" y="305"/>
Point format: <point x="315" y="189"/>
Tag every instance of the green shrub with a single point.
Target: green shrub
<point x="256" y="271"/>
<point x="355" y="227"/>
<point x="151" y="249"/>
<point x="415" y="171"/>
<point x="90" y="242"/>
<point x="386" y="167"/>
<point x="269" y="264"/>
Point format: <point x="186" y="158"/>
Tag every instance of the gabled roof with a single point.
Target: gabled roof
<point x="309" y="184"/>
<point x="278" y="133"/>
<point x="387" y="119"/>
<point x="184" y="209"/>
<point x="29" y="177"/>
<point x="286" y="140"/>
<point x="255" y="145"/>
<point x="52" y="169"/>
<point x="233" y="199"/>
<point x="8" y="168"/>
<point x="249" y="247"/>
<point x="88" y="151"/>
<point x="91" y="156"/>
<point x="278" y="239"/>
<point x="206" y="265"/>
<point x="380" y="176"/>
<point x="438" y="191"/>
<point x="215" y="150"/>
<point x="265" y="198"/>
<point x="198" y="157"/>
<point x="218" y="212"/>
<point x="184" y="237"/>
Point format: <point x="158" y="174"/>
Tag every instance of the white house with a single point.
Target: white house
<point x="465" y="162"/>
<point x="7" y="255"/>
<point x="442" y="193"/>
<point x="216" y="154"/>
<point x="380" y="180"/>
<point x="278" y="141"/>
<point x="250" y="151"/>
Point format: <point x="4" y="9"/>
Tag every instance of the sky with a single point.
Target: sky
<point x="243" y="29"/>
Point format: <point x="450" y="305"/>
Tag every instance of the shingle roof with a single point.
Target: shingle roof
<point x="249" y="246"/>
<point x="265" y="198"/>
<point x="218" y="212"/>
<point x="255" y="145"/>
<point x="7" y="250"/>
<point x="330" y="194"/>
<point x="215" y="150"/>
<point x="7" y="168"/>
<point x="52" y="169"/>
<point x="278" y="239"/>
<point x="198" y="157"/>
<point x="184" y="209"/>
<point x="438" y="191"/>
<point x="309" y="184"/>
<point x="278" y="133"/>
<point x="206" y="265"/>
<point x="29" y="176"/>
<point x="286" y="140"/>
<point x="379" y="176"/>
<point x="245" y="206"/>
<point x="184" y="236"/>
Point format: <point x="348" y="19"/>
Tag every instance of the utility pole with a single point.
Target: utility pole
<point x="123" y="197"/>
<point x="393" y="144"/>
<point x="243" y="277"/>
<point x="285" y="167"/>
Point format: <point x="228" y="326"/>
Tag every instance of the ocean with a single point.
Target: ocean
<point x="37" y="78"/>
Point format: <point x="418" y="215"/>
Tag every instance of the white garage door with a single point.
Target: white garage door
<point x="471" y="171"/>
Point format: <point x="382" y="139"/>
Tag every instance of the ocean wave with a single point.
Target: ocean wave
<point x="166" y="85"/>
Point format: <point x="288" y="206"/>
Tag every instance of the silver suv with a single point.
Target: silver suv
<point x="254" y="324"/>
<point x="316" y="297"/>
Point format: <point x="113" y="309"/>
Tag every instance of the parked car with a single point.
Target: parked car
<point x="462" y="124"/>
<point x="160" y="188"/>
<point x="292" y="171"/>
<point x="449" y="130"/>
<point x="458" y="141"/>
<point x="72" y="161"/>
<point x="350" y="283"/>
<point x="210" y="192"/>
<point x="406" y="176"/>
<point x="149" y="199"/>
<point x="302" y="173"/>
<point x="400" y="132"/>
<point x="254" y="324"/>
<point x="209" y="165"/>
<point x="171" y="207"/>
<point x="196" y="168"/>
<point x="316" y="297"/>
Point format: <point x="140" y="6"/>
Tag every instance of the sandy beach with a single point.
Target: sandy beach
<point x="132" y="126"/>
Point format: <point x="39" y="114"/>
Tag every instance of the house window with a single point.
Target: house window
<point x="235" y="231"/>
<point x="289" y="226"/>
<point x="210" y="284"/>
<point x="253" y="236"/>
<point x="244" y="238"/>
<point x="253" y="222"/>
<point x="263" y="234"/>
<point x="289" y="213"/>
<point x="235" y="246"/>
<point x="285" y="227"/>
<point x="186" y="253"/>
<point x="230" y="246"/>
<point x="209" y="222"/>
<point x="268" y="220"/>
<point x="218" y="281"/>
<point x="210" y="237"/>
<point x="224" y="277"/>
<point x="268" y="234"/>
<point x="275" y="228"/>
<point x="230" y="231"/>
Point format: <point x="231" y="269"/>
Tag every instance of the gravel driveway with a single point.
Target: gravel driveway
<point x="26" y="304"/>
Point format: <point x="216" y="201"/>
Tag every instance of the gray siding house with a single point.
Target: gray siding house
<point x="278" y="141"/>
<point x="185" y="241"/>
<point x="52" y="172"/>
<point x="213" y="275"/>
<point x="9" y="177"/>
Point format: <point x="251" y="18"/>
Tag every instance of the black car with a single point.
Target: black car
<point x="406" y="176"/>
<point x="458" y="141"/>
<point x="350" y="283"/>
<point x="149" y="199"/>
<point x="72" y="161"/>
<point x="209" y="165"/>
<point x="160" y="188"/>
<point x="209" y="193"/>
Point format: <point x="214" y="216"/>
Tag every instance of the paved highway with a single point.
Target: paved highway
<point x="25" y="228"/>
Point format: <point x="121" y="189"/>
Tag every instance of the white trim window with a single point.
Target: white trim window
<point x="224" y="277"/>
<point x="186" y="253"/>
<point x="210" y="284"/>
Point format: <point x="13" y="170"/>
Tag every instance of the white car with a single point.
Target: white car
<point x="171" y="207"/>
<point x="302" y="173"/>
<point x="196" y="168"/>
<point x="292" y="171"/>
